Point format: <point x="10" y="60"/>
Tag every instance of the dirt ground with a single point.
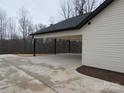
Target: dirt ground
<point x="49" y="74"/>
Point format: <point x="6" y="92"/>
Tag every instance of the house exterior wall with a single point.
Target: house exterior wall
<point x="103" y="40"/>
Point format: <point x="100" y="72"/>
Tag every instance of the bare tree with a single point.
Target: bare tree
<point x="11" y="28"/>
<point x="72" y="8"/>
<point x="90" y="6"/>
<point x="30" y="27"/>
<point x="3" y="24"/>
<point x="39" y="27"/>
<point x="84" y="6"/>
<point x="66" y="9"/>
<point x="79" y="7"/>
<point x="24" y="24"/>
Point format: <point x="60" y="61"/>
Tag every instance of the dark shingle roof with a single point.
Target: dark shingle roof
<point x="74" y="22"/>
<point x="63" y="25"/>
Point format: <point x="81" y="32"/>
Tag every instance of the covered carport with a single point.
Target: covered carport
<point x="68" y="59"/>
<point x="55" y="45"/>
<point x="68" y="30"/>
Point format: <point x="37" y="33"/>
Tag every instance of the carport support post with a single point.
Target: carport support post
<point x="69" y="46"/>
<point x="34" y="47"/>
<point x="55" y="46"/>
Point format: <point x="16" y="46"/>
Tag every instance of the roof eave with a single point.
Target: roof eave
<point x="55" y="31"/>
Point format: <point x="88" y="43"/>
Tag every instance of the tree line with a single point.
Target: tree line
<point x="71" y="8"/>
<point x="15" y="33"/>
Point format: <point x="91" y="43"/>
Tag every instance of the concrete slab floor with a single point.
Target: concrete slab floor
<point x="49" y="74"/>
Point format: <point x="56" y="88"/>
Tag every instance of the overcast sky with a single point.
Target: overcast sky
<point x="41" y="11"/>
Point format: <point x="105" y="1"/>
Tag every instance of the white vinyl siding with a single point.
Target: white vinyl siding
<point x="103" y="40"/>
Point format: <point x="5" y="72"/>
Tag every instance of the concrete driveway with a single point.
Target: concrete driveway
<point x="49" y="74"/>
